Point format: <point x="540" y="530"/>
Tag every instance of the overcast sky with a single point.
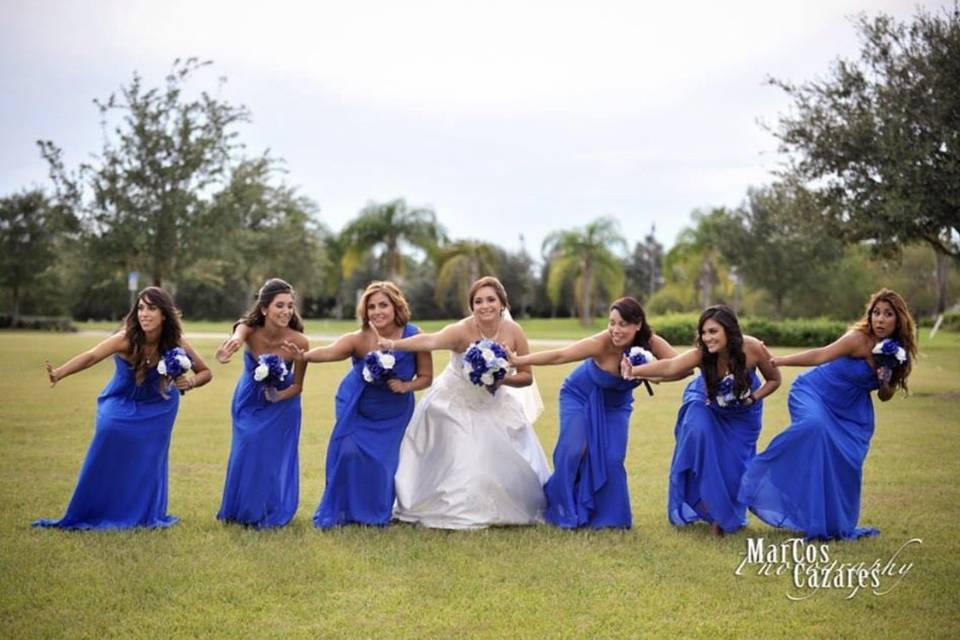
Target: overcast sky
<point x="506" y="118"/>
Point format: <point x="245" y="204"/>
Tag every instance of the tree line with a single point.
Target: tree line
<point x="868" y="194"/>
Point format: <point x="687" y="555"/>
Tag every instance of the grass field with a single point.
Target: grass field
<point x="203" y="579"/>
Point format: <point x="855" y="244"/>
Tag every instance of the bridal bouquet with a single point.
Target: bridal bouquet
<point x="889" y="354"/>
<point x="725" y="395"/>
<point x="485" y="363"/>
<point x="173" y="364"/>
<point x="638" y="356"/>
<point x="271" y="370"/>
<point x="378" y="366"/>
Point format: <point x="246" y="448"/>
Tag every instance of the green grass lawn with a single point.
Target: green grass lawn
<point x="203" y="579"/>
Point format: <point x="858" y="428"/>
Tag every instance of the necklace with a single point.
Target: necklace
<point x="480" y="331"/>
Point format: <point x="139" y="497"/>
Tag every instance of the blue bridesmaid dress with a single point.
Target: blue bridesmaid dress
<point x="262" y="488"/>
<point x="364" y="447"/>
<point x="588" y="487"/>
<point x="809" y="477"/>
<point x="123" y="482"/>
<point x="713" y="446"/>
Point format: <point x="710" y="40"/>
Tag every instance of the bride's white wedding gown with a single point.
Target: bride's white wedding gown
<point x="470" y="459"/>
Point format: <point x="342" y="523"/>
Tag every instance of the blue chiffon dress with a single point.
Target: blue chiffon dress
<point x="713" y="446"/>
<point x="809" y="478"/>
<point x="123" y="482"/>
<point x="262" y="488"/>
<point x="364" y="447"/>
<point x="588" y="487"/>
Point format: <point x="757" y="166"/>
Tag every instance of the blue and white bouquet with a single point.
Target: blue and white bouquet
<point x="638" y="356"/>
<point x="725" y="394"/>
<point x="485" y="363"/>
<point x="271" y="370"/>
<point x="378" y="367"/>
<point x="173" y="364"/>
<point x="890" y="354"/>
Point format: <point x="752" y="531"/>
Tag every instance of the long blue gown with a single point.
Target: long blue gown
<point x="123" y="482"/>
<point x="713" y="446"/>
<point x="588" y="487"/>
<point x="262" y="488"/>
<point x="809" y="477"/>
<point x="364" y="447"/>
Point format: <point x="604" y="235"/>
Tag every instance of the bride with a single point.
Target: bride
<point x="469" y="458"/>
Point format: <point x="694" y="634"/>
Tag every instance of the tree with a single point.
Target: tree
<point x="253" y="229"/>
<point x="775" y="245"/>
<point x="392" y="227"/>
<point x="696" y="257"/>
<point x="880" y="137"/>
<point x="586" y="256"/>
<point x="29" y="229"/>
<point x="644" y="267"/>
<point x="460" y="264"/>
<point x="161" y="154"/>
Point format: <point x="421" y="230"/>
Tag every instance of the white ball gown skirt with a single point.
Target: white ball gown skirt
<point x="470" y="459"/>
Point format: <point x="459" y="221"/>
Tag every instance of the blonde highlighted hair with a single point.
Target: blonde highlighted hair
<point x="401" y="310"/>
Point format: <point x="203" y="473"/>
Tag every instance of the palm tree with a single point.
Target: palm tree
<point x="698" y="246"/>
<point x="585" y="256"/>
<point x="392" y="226"/>
<point x="460" y="264"/>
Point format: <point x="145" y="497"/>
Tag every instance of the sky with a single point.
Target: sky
<point x="508" y="119"/>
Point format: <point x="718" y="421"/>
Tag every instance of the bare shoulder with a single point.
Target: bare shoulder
<point x="297" y="338"/>
<point x="753" y="346"/>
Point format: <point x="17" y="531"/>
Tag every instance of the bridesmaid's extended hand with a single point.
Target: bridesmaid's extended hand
<point x="51" y="373"/>
<point x="626" y="369"/>
<point x="226" y="350"/>
<point x="291" y="351"/>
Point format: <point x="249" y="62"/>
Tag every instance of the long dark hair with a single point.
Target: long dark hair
<point x="737" y="359"/>
<point x="270" y="290"/>
<point x="170" y="331"/>
<point x="632" y="311"/>
<point x="904" y="331"/>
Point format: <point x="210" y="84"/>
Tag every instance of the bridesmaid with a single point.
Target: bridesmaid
<point x="588" y="487"/>
<point x="262" y="486"/>
<point x="123" y="482"/>
<point x="371" y="418"/>
<point x="809" y="477"/>
<point x="718" y="422"/>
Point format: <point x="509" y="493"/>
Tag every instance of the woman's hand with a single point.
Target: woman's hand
<point x="884" y="374"/>
<point x="184" y="384"/>
<point x="291" y="351"/>
<point x="51" y="373"/>
<point x="398" y="386"/>
<point x="626" y="369"/>
<point x="229" y="347"/>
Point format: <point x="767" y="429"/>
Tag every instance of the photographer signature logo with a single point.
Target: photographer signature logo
<point x="811" y="569"/>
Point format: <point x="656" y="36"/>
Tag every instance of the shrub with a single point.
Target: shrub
<point x="38" y="323"/>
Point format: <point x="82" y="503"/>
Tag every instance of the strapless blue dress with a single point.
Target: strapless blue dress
<point x="809" y="478"/>
<point x="123" y="482"/>
<point x="262" y="488"/>
<point x="364" y="447"/>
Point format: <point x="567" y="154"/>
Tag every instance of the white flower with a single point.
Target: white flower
<point x="367" y="375"/>
<point x="162" y="367"/>
<point x="387" y="361"/>
<point x="488" y="355"/>
<point x="261" y="372"/>
<point x="185" y="363"/>
<point x="487" y="378"/>
<point x="901" y="355"/>
<point x="502" y="364"/>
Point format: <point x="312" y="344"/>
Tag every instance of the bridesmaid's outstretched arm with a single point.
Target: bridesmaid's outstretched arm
<point x="116" y="343"/>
